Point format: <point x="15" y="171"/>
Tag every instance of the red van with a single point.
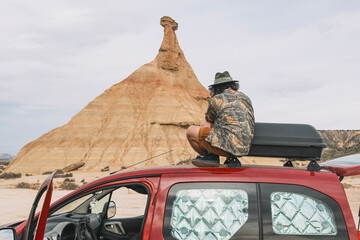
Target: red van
<point x="187" y="202"/>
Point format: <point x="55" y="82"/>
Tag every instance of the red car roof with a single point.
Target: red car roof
<point x="246" y="173"/>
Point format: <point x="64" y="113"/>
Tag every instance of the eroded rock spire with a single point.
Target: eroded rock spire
<point x="138" y="118"/>
<point x="169" y="53"/>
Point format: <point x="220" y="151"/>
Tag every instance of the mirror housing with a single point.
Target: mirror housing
<point x="7" y="234"/>
<point x="111" y="209"/>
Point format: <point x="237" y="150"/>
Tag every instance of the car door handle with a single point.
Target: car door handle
<point x="115" y="227"/>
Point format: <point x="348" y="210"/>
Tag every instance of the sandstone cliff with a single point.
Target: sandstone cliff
<point x="340" y="143"/>
<point x="142" y="116"/>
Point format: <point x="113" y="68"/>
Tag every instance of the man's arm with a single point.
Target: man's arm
<point x="210" y="114"/>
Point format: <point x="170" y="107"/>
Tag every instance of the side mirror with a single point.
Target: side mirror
<point x="7" y="234"/>
<point x="111" y="209"/>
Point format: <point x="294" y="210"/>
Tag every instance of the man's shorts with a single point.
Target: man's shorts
<point x="205" y="145"/>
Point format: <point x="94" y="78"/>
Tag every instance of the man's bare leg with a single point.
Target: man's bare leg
<point x="205" y="159"/>
<point x="192" y="134"/>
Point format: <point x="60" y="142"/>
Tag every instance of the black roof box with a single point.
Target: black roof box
<point x="294" y="141"/>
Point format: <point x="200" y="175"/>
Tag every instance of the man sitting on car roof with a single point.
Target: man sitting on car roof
<point x="229" y="126"/>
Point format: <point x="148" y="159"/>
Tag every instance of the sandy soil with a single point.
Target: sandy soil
<point x="15" y="202"/>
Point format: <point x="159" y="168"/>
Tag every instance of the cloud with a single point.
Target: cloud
<point x="307" y="74"/>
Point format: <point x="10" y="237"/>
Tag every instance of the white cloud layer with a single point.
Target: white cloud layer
<point x="297" y="60"/>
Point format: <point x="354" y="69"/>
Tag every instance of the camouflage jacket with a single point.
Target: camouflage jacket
<point x="232" y="115"/>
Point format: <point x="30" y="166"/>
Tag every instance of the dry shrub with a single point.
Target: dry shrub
<point x="23" y="185"/>
<point x="10" y="175"/>
<point x="69" y="180"/>
<point x="69" y="186"/>
<point x="105" y="169"/>
<point x="66" y="175"/>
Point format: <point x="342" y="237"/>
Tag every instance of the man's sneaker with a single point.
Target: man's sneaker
<point x="209" y="160"/>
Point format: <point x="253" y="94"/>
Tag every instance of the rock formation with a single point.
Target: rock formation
<point x="340" y="143"/>
<point x="142" y="116"/>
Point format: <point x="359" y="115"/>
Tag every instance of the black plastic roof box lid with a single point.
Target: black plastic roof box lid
<point x="296" y="141"/>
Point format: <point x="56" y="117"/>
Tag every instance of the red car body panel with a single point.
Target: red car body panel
<point x="343" y="171"/>
<point x="159" y="180"/>
<point x="344" y="166"/>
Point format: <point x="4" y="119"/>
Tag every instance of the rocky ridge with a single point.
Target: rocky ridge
<point x="340" y="143"/>
<point x="5" y="156"/>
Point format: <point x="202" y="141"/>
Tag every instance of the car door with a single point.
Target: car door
<point x="47" y="188"/>
<point x="96" y="202"/>
<point x="127" y="210"/>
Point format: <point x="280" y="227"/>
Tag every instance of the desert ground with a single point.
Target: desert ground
<point x="16" y="202"/>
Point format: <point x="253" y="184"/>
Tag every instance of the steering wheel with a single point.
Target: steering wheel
<point x="83" y="230"/>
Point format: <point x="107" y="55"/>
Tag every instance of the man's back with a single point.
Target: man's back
<point x="232" y="114"/>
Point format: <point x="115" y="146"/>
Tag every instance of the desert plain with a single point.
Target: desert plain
<point x="15" y="203"/>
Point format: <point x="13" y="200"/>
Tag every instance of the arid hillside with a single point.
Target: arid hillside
<point x="340" y="143"/>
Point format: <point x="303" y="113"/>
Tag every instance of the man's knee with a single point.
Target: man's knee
<point x="192" y="132"/>
<point x="205" y="124"/>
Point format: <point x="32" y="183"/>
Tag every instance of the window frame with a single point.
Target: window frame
<point x="267" y="189"/>
<point x="250" y="229"/>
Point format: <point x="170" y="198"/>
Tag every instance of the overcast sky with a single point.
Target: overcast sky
<point x="299" y="61"/>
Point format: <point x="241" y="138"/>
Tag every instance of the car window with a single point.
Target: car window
<point x="196" y="213"/>
<point x="298" y="214"/>
<point x="129" y="203"/>
<point x="293" y="212"/>
<point x="209" y="211"/>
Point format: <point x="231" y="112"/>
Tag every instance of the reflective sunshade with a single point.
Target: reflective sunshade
<point x="208" y="213"/>
<point x="298" y="214"/>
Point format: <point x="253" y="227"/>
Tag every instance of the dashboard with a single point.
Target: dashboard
<point x="67" y="226"/>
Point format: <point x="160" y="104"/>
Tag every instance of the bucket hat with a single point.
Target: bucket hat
<point x="221" y="78"/>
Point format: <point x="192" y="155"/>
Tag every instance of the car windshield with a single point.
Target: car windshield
<point x="72" y="205"/>
<point x="84" y="203"/>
